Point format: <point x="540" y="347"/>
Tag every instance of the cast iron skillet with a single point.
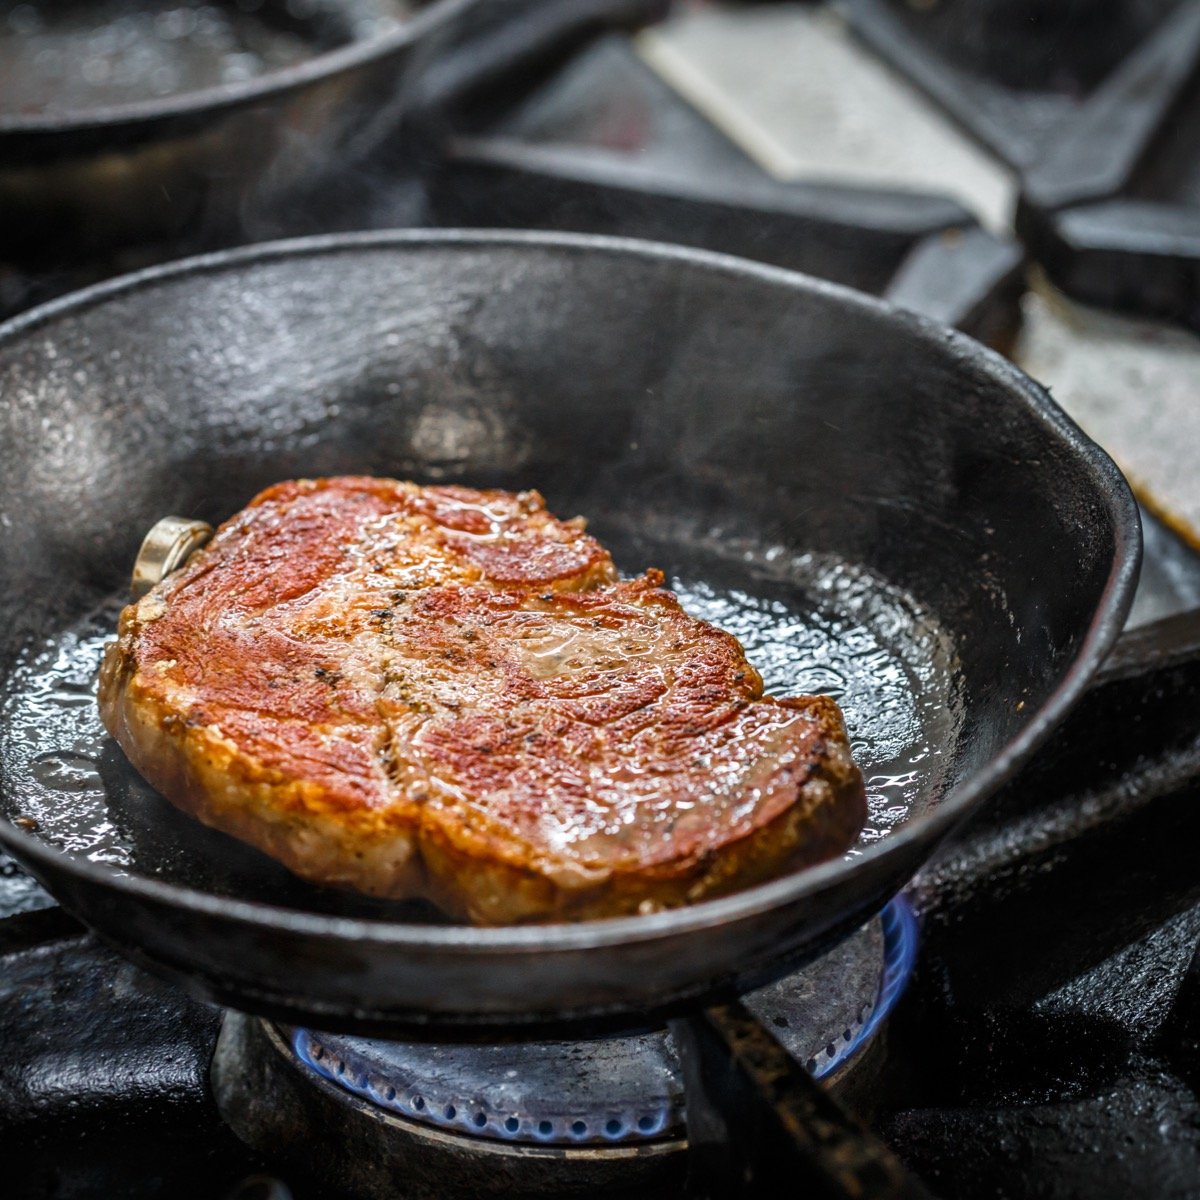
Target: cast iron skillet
<point x="872" y="498"/>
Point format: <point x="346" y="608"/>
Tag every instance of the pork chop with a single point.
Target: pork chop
<point x="447" y="693"/>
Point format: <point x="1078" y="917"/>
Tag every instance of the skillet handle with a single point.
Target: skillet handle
<point x="755" y="1116"/>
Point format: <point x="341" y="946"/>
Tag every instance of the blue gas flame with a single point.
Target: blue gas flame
<point x="900" y="935"/>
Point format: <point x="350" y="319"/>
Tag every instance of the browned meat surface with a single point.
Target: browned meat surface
<point x="444" y="692"/>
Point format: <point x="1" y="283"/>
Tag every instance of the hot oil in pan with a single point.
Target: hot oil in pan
<point x="830" y="629"/>
<point x="899" y="706"/>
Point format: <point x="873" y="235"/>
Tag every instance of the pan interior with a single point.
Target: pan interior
<point x="809" y="623"/>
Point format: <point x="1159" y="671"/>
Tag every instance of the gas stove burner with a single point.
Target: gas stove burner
<point x="611" y="1090"/>
<point x="614" y="1090"/>
<point x="608" y="1108"/>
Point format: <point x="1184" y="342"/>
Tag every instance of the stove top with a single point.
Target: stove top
<point x="1023" y="1022"/>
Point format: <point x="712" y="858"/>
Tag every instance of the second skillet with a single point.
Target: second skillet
<point x="880" y="507"/>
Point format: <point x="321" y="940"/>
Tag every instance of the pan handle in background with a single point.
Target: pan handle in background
<point x="1149" y="682"/>
<point x="1162" y="644"/>
<point x="755" y="1116"/>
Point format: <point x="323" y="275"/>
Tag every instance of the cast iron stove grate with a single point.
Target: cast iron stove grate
<point x="1095" y="105"/>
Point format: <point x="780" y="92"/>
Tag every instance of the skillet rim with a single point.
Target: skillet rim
<point x="221" y="97"/>
<point x="931" y="826"/>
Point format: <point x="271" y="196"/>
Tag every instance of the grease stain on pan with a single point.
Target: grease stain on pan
<point x="830" y="629"/>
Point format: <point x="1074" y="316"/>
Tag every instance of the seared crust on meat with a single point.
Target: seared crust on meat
<point x="444" y="692"/>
